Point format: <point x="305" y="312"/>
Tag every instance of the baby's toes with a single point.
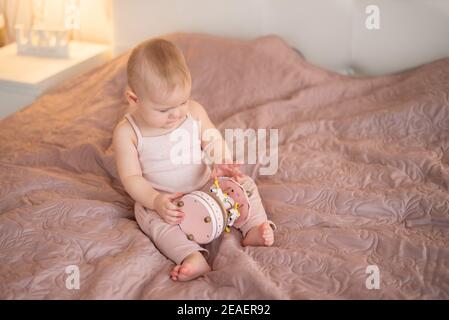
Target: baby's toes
<point x="266" y="229"/>
<point x="175" y="272"/>
<point x="268" y="241"/>
<point x="267" y="235"/>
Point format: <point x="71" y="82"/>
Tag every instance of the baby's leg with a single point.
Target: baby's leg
<point x="258" y="230"/>
<point x="173" y="243"/>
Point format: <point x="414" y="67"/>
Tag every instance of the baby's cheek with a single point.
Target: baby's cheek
<point x="159" y="116"/>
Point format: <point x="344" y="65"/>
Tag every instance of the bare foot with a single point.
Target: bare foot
<point x="261" y="235"/>
<point x="192" y="267"/>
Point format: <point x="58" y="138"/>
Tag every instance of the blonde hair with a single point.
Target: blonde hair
<point x="155" y="68"/>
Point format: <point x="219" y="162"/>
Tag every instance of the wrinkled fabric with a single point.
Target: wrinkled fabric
<point x="362" y="180"/>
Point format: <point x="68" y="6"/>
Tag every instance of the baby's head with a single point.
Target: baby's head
<point x="159" y="83"/>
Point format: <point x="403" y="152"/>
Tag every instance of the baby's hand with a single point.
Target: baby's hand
<point x="166" y="209"/>
<point x="226" y="170"/>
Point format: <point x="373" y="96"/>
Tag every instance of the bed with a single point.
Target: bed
<point x="362" y="181"/>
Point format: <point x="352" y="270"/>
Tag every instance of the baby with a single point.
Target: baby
<point x="159" y="85"/>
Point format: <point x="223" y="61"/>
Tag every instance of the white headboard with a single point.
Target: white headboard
<point x="329" y="33"/>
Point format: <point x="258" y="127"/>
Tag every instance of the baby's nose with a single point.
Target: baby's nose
<point x="175" y="114"/>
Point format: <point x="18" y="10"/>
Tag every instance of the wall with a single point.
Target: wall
<point x="330" y="33"/>
<point x="411" y="32"/>
<point x="304" y="23"/>
<point x="100" y="28"/>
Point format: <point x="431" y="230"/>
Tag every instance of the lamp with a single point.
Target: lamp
<point x="49" y="35"/>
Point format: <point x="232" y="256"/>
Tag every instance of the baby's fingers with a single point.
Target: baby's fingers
<point x="171" y="206"/>
<point x="175" y="214"/>
<point x="172" y="219"/>
<point x="239" y="174"/>
<point x="233" y="173"/>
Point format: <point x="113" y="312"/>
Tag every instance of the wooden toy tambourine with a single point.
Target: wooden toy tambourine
<point x="222" y="203"/>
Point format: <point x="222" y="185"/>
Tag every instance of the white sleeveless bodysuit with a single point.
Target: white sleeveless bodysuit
<point x="157" y="165"/>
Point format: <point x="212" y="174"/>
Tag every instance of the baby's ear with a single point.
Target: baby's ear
<point x="131" y="97"/>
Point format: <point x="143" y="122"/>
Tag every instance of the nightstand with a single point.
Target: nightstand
<point x="24" y="78"/>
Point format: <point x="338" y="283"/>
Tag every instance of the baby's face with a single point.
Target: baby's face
<point x="165" y="112"/>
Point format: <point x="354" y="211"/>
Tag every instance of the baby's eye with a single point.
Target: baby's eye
<point x="163" y="111"/>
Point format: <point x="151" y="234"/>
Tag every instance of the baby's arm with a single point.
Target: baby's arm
<point x="213" y="142"/>
<point x="210" y="135"/>
<point x="130" y="172"/>
<point x="128" y="166"/>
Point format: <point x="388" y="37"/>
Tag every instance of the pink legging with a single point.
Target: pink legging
<point x="172" y="241"/>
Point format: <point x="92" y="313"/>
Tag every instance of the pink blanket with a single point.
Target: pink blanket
<point x="363" y="180"/>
